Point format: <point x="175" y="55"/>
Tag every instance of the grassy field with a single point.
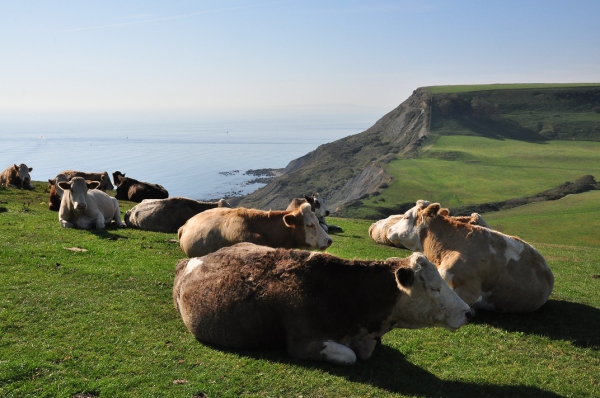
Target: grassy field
<point x="463" y="170"/>
<point x="486" y="87"/>
<point x="90" y="314"/>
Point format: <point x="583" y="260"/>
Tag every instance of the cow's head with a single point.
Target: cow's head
<point x="427" y="299"/>
<point x="303" y="218"/>
<point x="23" y="173"/>
<point x="105" y="181"/>
<point x="77" y="190"/>
<point x="118" y="177"/>
<point x="317" y="204"/>
<point x="407" y="231"/>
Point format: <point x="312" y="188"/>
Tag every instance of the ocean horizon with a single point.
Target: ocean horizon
<point x="201" y="158"/>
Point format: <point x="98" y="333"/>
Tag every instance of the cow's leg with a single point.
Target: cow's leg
<point x="66" y="224"/>
<point x="364" y="348"/>
<point x="117" y="214"/>
<point x="100" y="222"/>
<point x="324" y="350"/>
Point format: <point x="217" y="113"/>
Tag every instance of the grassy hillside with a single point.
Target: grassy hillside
<point x="90" y="314"/>
<point x="465" y="170"/>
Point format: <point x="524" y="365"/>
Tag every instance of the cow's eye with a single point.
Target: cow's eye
<point x="435" y="290"/>
<point x="311" y="225"/>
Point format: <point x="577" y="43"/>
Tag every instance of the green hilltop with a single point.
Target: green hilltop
<point x="516" y="139"/>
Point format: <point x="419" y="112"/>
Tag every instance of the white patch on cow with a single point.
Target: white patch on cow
<point x="338" y="353"/>
<point x="191" y="265"/>
<point x="514" y="248"/>
<point x="316" y="237"/>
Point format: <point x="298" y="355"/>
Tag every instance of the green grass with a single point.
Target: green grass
<point x="464" y="170"/>
<point x="102" y="322"/>
<point x="486" y="87"/>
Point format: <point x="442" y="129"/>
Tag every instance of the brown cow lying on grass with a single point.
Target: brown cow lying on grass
<point x="17" y="177"/>
<point x="213" y="229"/>
<point x="486" y="268"/>
<point x="56" y="192"/>
<point x="316" y="305"/>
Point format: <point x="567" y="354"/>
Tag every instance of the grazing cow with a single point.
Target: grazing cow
<point x="378" y="231"/>
<point x="17" y="177"/>
<point x="486" y="268"/>
<point x="83" y="206"/>
<point x="316" y="305"/>
<point x="136" y="191"/>
<point x="210" y="230"/>
<point x="102" y="177"/>
<point x="167" y="215"/>
<point x="317" y="205"/>
<point x="56" y="192"/>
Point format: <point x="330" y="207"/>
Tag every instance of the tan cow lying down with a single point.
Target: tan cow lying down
<point x="378" y="231"/>
<point x="486" y="268"/>
<point x="316" y="305"/>
<point x="167" y="215"/>
<point x="102" y="177"/>
<point x="213" y="229"/>
<point x="17" y="177"/>
<point x="83" y="206"/>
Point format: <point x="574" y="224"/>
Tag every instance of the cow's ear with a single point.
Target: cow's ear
<point x="309" y="199"/>
<point x="444" y="212"/>
<point x="405" y="277"/>
<point x="52" y="181"/>
<point x="432" y="210"/>
<point x="290" y="220"/>
<point x="31" y="169"/>
<point x="64" y="184"/>
<point x="93" y="184"/>
<point x="16" y="167"/>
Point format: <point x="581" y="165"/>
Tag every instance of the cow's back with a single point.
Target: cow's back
<point x="165" y="215"/>
<point x="210" y="230"/>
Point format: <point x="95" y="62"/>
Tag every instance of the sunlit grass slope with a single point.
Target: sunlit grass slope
<point x="463" y="170"/>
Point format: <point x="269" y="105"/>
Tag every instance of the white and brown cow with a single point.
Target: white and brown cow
<point x="486" y="268"/>
<point x="102" y="177"/>
<point x="56" y="192"/>
<point x="212" y="229"/>
<point x="315" y="305"/>
<point x="84" y="206"/>
<point x="317" y="205"/>
<point x="17" y="177"/>
<point x="167" y="215"/>
<point x="378" y="231"/>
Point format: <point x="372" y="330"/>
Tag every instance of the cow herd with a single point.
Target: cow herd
<point x="250" y="282"/>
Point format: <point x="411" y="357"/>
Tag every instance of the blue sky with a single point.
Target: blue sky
<point x="233" y="54"/>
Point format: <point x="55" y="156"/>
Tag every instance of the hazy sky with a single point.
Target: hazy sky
<point x="167" y="54"/>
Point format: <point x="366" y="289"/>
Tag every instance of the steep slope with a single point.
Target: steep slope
<point x="354" y="168"/>
<point x="351" y="167"/>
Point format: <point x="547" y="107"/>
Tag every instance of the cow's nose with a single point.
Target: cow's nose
<point x="327" y="212"/>
<point x="81" y="206"/>
<point x="468" y="315"/>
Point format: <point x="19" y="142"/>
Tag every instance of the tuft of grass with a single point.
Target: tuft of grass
<point x="101" y="323"/>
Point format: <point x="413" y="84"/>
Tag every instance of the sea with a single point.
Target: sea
<point x="199" y="157"/>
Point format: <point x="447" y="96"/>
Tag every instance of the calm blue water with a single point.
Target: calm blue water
<point x="195" y="159"/>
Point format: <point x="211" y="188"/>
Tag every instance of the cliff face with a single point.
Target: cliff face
<point x="349" y="168"/>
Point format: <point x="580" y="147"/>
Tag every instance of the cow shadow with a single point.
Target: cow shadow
<point x="557" y="319"/>
<point x="388" y="369"/>
<point x="108" y="233"/>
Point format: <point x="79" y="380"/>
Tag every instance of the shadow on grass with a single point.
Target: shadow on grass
<point x="558" y="320"/>
<point x="388" y="369"/>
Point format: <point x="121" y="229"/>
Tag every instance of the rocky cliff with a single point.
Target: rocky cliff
<point x="352" y="167"/>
